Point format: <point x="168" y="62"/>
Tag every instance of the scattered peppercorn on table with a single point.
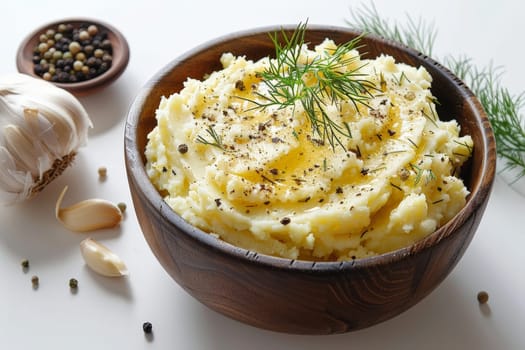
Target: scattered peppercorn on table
<point x="50" y="298"/>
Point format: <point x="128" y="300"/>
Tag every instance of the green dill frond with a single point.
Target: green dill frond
<point x="216" y="139"/>
<point x="501" y="106"/>
<point x="291" y="81"/>
<point x="417" y="34"/>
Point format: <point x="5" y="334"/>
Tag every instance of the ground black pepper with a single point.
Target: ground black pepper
<point x="183" y="148"/>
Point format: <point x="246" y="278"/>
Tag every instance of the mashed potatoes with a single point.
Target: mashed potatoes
<point x="260" y="179"/>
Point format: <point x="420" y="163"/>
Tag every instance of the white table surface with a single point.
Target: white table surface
<point x="108" y="313"/>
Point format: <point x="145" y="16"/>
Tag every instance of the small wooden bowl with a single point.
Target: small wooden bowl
<point x="303" y="296"/>
<point x="24" y="56"/>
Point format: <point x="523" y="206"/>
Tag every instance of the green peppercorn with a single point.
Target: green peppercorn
<point x="122" y="206"/>
<point x="66" y="55"/>
<point x="57" y="55"/>
<point x="98" y="53"/>
<point x="80" y="56"/>
<point x="92" y="30"/>
<point x="58" y="36"/>
<point x="102" y="172"/>
<point x="73" y="283"/>
<point x="25" y="264"/>
<point x="42" y="47"/>
<point x="50" y="32"/>
<point x="77" y="66"/>
<point x="35" y="282"/>
<point x="74" y="47"/>
<point x="42" y="38"/>
<point x="84" y="35"/>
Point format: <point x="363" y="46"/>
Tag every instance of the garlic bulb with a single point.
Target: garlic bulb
<point x="41" y="128"/>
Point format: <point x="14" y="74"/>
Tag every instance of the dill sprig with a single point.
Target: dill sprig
<point x="216" y="139"/>
<point x="314" y="83"/>
<point x="416" y="33"/>
<point x="502" y="107"/>
<point x="419" y="172"/>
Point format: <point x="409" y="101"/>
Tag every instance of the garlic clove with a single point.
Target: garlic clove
<point x="20" y="146"/>
<point x="87" y="215"/>
<point x="102" y="260"/>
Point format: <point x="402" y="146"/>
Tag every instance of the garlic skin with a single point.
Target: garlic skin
<point x="102" y="260"/>
<point x="41" y="128"/>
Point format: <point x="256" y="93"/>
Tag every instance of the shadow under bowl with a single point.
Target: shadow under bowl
<point x="298" y="296"/>
<point x="120" y="48"/>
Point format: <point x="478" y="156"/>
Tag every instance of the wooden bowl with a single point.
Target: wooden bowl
<point x="24" y="56"/>
<point x="303" y="296"/>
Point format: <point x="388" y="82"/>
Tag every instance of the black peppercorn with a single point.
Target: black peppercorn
<point x="285" y="220"/>
<point x="106" y="45"/>
<point x="182" y="148"/>
<point x="147" y="327"/>
<point x="88" y="50"/>
<point x="38" y="69"/>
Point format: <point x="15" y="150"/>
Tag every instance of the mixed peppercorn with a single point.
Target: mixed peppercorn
<point x="70" y="54"/>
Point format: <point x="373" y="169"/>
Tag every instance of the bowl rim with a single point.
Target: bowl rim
<point x="118" y="65"/>
<point x="475" y="200"/>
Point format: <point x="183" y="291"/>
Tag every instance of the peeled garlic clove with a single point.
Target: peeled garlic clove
<point x="87" y="215"/>
<point x="41" y="129"/>
<point x="102" y="260"/>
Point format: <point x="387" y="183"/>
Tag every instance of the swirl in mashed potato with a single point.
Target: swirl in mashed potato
<point x="270" y="186"/>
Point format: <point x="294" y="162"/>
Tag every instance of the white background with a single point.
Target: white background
<point x="108" y="313"/>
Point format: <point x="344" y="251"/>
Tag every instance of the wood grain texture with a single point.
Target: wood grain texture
<point x="303" y="296"/>
<point x="24" y="56"/>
